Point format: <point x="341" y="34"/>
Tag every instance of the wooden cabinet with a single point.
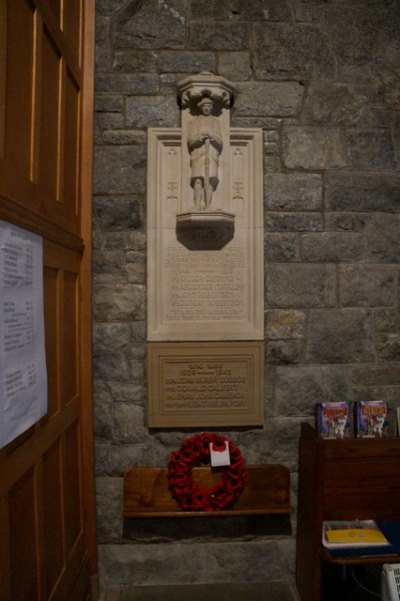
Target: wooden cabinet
<point x="341" y="479"/>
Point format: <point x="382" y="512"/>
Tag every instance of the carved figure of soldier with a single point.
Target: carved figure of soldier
<point x="205" y="146"/>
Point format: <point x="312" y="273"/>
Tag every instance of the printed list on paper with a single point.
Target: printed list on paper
<point x="23" y="378"/>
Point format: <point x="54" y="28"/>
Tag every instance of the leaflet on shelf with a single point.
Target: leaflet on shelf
<point x="339" y="534"/>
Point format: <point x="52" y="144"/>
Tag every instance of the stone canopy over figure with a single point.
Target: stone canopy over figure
<point x="205" y="145"/>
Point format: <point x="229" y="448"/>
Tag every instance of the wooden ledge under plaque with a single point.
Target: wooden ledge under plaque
<point x="146" y="492"/>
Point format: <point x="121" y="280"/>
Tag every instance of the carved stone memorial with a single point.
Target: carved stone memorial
<point x="205" y="252"/>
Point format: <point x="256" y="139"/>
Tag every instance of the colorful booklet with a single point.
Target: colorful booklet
<point x="353" y="533"/>
<point x="334" y="420"/>
<point x="372" y="419"/>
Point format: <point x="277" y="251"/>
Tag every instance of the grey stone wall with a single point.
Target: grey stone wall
<point x="322" y="80"/>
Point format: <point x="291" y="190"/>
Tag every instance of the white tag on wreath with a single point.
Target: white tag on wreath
<point x="219" y="458"/>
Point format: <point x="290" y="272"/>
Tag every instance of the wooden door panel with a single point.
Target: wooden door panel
<point x="55" y="6"/>
<point x="71" y="148"/>
<point x="48" y="151"/>
<point x="19" y="86"/>
<point x="54" y="548"/>
<point x="23" y="539"/>
<point x="3" y="56"/>
<point x="41" y="109"/>
<point x="47" y="518"/>
<point x="72" y="27"/>
<point x="72" y="490"/>
<point x="70" y="337"/>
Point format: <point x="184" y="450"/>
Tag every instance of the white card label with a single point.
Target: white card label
<point x="219" y="458"/>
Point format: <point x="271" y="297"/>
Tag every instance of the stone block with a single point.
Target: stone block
<point x="129" y="424"/>
<point x="307" y="56"/>
<point x="109" y="103"/>
<point x="293" y="192"/>
<point x="119" y="302"/>
<point x="112" y="459"/>
<point x="122" y="137"/>
<point x="282" y="247"/>
<point x="300" y="286"/>
<point x="256" y="10"/>
<point x="219" y="35"/>
<point x="119" y="169"/>
<point x="382" y="239"/>
<point x="388" y="347"/>
<point x="112" y="261"/>
<point x="362" y="192"/>
<point x="180" y="563"/>
<point x="103" y="47"/>
<point x="273" y="591"/>
<point x="330" y="103"/>
<point x="108" y="7"/>
<point x="103" y="410"/>
<point x="156" y="111"/>
<point x="129" y="60"/>
<point x="314" y="148"/>
<point x="266" y="123"/>
<point x="110" y="338"/>
<point x="294" y="222"/>
<point x="284" y="352"/>
<point x="151" y="25"/>
<point x="110" y="120"/>
<point x="118" y="366"/>
<point x="298" y="388"/>
<point x="371" y="150"/>
<point x="127" y="391"/>
<point x="117" y="212"/>
<point x="332" y="247"/>
<point x="235" y="66"/>
<point x="386" y="88"/>
<point x="347" y="222"/>
<point x="109" y="509"/>
<point x="340" y="336"/>
<point x="126" y="239"/>
<point x="271" y="141"/>
<point x="136" y="273"/>
<point x="182" y="61"/>
<point x="385" y="320"/>
<point x="268" y="99"/>
<point x="281" y="325"/>
<point x="272" y="164"/>
<point x="358" y="35"/>
<point x="367" y="286"/>
<point x="127" y="83"/>
<point x="375" y="375"/>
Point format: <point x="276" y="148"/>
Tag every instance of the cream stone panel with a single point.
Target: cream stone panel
<point x="205" y="293"/>
<point x="205" y="384"/>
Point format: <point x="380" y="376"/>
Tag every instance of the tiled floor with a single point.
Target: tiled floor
<point x="262" y="591"/>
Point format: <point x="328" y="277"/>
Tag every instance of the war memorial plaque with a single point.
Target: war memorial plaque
<point x="205" y="250"/>
<point x="197" y="384"/>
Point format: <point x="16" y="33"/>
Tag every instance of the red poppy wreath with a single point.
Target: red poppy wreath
<point x="195" y="451"/>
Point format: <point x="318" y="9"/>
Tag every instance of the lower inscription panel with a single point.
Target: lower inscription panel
<point x="205" y="384"/>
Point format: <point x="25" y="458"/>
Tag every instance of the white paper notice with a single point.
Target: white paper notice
<point x="23" y="377"/>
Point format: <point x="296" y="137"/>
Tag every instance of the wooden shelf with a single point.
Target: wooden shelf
<point x="146" y="493"/>
<point x="341" y="480"/>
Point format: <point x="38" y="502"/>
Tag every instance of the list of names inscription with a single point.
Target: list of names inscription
<point x="205" y="385"/>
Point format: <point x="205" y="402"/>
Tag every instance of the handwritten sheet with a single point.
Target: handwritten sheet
<point x="23" y="377"/>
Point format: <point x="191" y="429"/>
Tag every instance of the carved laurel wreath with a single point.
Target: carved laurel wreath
<point x="195" y="451"/>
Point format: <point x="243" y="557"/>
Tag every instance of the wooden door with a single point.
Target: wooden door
<point x="47" y="526"/>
